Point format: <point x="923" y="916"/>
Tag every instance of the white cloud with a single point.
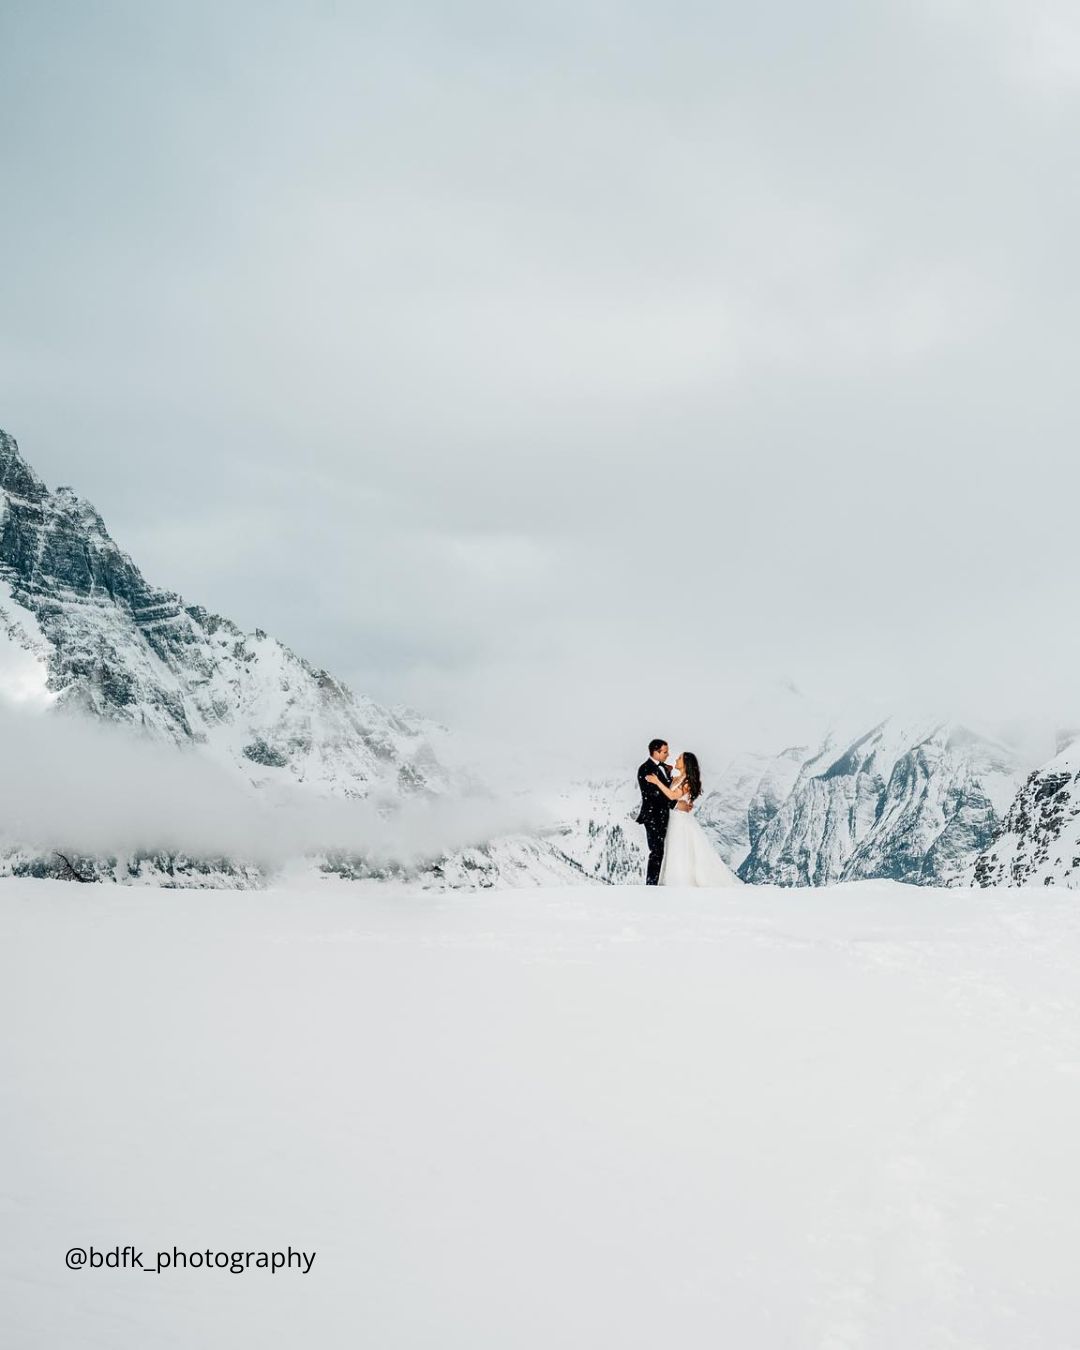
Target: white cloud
<point x="97" y="788"/>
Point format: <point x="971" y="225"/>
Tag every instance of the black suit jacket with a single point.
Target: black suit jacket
<point x="654" y="805"/>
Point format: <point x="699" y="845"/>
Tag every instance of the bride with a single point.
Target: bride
<point x="689" y="857"/>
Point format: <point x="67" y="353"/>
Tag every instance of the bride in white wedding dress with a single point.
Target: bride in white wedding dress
<point x="689" y="857"/>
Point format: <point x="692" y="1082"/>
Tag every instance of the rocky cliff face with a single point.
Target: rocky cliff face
<point x="1038" y="843"/>
<point x="120" y="649"/>
<point x="914" y="803"/>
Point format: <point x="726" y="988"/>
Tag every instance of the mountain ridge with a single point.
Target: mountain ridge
<point x="125" y="650"/>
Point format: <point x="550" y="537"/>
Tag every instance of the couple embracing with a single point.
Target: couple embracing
<point x="680" y="853"/>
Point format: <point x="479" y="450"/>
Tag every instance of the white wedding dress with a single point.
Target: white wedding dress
<point x="689" y="857"/>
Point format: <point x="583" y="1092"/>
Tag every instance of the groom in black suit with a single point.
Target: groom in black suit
<point x="655" y="807"/>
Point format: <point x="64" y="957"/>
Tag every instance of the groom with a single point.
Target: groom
<point x="655" y="807"/>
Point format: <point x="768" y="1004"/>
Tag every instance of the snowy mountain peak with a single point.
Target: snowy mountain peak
<point x="126" y="651"/>
<point x="79" y="505"/>
<point x="16" y="476"/>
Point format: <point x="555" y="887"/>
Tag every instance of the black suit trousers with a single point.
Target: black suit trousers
<point x="655" y="834"/>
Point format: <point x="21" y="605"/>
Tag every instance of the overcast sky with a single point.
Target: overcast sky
<point x="567" y="370"/>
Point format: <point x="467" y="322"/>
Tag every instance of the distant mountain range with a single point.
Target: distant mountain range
<point x="926" y="802"/>
<point x="914" y="802"/>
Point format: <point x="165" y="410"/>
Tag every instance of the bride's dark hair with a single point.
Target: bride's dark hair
<point x="693" y="774"/>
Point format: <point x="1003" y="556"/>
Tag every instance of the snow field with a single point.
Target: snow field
<point x="574" y="1117"/>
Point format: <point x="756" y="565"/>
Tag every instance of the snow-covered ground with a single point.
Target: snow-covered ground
<point x="573" y="1118"/>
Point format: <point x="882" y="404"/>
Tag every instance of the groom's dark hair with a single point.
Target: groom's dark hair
<point x="656" y="745"/>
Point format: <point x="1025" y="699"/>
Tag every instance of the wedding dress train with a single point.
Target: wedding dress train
<point x="689" y="857"/>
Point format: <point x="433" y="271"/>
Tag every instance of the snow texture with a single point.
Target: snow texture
<point x="841" y="1118"/>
